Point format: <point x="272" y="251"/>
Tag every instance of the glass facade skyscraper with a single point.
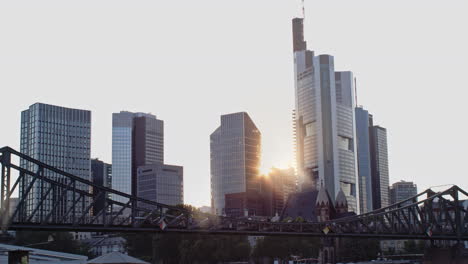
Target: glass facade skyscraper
<point x="61" y="138"/>
<point x="101" y="175"/>
<point x="325" y="126"/>
<point x="137" y="139"/>
<point x="161" y="183"/>
<point x="235" y="149"/>
<point x="372" y="162"/>
<point x="379" y="166"/>
<point x="402" y="190"/>
<point x="364" y="159"/>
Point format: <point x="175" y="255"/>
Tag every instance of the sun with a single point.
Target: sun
<point x="265" y="169"/>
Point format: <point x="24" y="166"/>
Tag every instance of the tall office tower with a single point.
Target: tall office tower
<point x="363" y="119"/>
<point x="137" y="140"/>
<point x="235" y="148"/>
<point x="280" y="183"/>
<point x="402" y="190"/>
<point x="161" y="183"/>
<point x="61" y="138"/>
<point x="101" y="175"/>
<point x="325" y="128"/>
<point x="379" y="166"/>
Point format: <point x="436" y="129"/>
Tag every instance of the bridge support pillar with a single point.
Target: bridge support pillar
<point x="155" y="244"/>
<point x="327" y="253"/>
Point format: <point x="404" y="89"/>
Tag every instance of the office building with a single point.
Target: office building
<point x="235" y="148"/>
<point x="161" y="183"/>
<point x="325" y="126"/>
<point x="276" y="188"/>
<point x="137" y="140"/>
<point x="402" y="190"/>
<point x="61" y="138"/>
<point x="372" y="156"/>
<point x="101" y="175"/>
<point x="269" y="201"/>
<point x="364" y="159"/>
<point x="379" y="166"/>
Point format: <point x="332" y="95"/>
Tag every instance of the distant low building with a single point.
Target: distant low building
<point x="205" y="209"/>
<point x="101" y="245"/>
<point x="250" y="203"/>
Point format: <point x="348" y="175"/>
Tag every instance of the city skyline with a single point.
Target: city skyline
<point x="405" y="126"/>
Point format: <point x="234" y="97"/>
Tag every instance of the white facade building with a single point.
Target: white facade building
<point x="325" y="122"/>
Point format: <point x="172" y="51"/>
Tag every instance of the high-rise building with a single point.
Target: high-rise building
<point x="325" y="127"/>
<point x="372" y="162"/>
<point x="61" y="138"/>
<point x="161" y="183"/>
<point x="402" y="190"/>
<point x="137" y="140"/>
<point x="363" y="119"/>
<point x="379" y="166"/>
<point x="276" y="188"/>
<point x="235" y="148"/>
<point x="101" y="175"/>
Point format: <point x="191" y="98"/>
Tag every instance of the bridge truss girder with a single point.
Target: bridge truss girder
<point x="51" y="199"/>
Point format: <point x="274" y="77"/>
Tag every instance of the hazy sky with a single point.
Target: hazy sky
<point x="190" y="61"/>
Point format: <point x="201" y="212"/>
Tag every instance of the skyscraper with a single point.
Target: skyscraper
<point x="61" y="138"/>
<point x="372" y="162"/>
<point x="101" y="175"/>
<point x="276" y="188"/>
<point x="161" y="183"/>
<point x="325" y="127"/>
<point x="379" y="166"/>
<point x="137" y="140"/>
<point x="363" y="120"/>
<point x="402" y="190"/>
<point x="235" y="148"/>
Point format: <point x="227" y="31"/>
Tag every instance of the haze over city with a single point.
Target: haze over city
<point x="188" y="62"/>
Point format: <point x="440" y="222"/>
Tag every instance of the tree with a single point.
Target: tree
<point x="61" y="241"/>
<point x="357" y="249"/>
<point x="284" y="247"/>
<point x="414" y="247"/>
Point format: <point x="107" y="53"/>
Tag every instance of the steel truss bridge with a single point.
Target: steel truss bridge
<point x="51" y="199"/>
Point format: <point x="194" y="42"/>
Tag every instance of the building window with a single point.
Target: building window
<point x="345" y="143"/>
<point x="309" y="129"/>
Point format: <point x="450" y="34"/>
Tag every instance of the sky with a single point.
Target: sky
<point x="188" y="62"/>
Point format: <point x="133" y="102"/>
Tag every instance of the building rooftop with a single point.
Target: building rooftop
<point x="116" y="258"/>
<point x="40" y="256"/>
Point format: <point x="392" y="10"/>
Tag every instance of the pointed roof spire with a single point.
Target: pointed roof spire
<point x="341" y="199"/>
<point x="323" y="197"/>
